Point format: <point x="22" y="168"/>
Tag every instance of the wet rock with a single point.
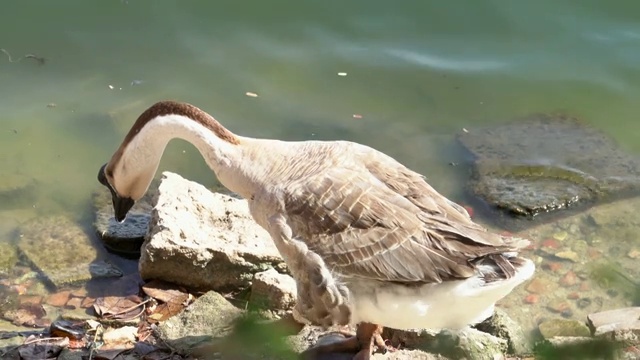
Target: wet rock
<point x="468" y="344"/>
<point x="273" y="290"/>
<point x="127" y="237"/>
<point x="203" y="240"/>
<point x="503" y="327"/>
<point x="59" y="299"/>
<point x="559" y="306"/>
<point x="8" y="256"/>
<point x="563" y="327"/>
<point x="62" y="251"/>
<point x="210" y="316"/>
<point x="619" y="324"/>
<point x="568" y="255"/>
<point x="569" y="279"/>
<point x="540" y="164"/>
<point x="539" y="285"/>
<point x="17" y="191"/>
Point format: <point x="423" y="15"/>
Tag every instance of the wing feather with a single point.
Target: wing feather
<point x="384" y="222"/>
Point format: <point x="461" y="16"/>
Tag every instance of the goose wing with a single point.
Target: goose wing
<point x="383" y="221"/>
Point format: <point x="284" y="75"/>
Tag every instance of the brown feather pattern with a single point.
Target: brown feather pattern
<point x="384" y="222"/>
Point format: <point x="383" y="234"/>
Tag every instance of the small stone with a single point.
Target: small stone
<point x="569" y="279"/>
<point x="531" y="299"/>
<point x="87" y="302"/>
<point x="634" y="254"/>
<point x="573" y="296"/>
<point x="553" y="266"/>
<point x="593" y="253"/>
<point x="584" y="286"/>
<point x="74" y="303"/>
<point x="30" y="299"/>
<point x="583" y="303"/>
<point x="273" y="290"/>
<point x="59" y="299"/>
<point x="568" y="255"/>
<point x="558" y="306"/>
<point x="560" y="236"/>
<point x="550" y="243"/>
<point x="538" y="286"/>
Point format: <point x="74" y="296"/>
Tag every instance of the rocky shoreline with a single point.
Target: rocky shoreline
<point x="210" y="284"/>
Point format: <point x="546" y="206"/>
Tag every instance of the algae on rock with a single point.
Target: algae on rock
<point x="544" y="163"/>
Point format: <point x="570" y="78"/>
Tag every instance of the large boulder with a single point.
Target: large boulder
<point x="542" y="164"/>
<point x="203" y="240"/>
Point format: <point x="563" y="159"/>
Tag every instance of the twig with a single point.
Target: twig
<point x="37" y="58"/>
<point x="93" y="342"/>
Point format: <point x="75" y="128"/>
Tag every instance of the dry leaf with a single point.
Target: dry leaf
<point x="39" y="349"/>
<point x="115" y="307"/>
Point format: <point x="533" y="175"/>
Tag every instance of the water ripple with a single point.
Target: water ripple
<point x="444" y="63"/>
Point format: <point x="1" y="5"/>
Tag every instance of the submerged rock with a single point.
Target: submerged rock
<point x="62" y="251"/>
<point x="545" y="163"/>
<point x="127" y="237"/>
<point x="17" y="191"/>
<point x="563" y="327"/>
<point x="8" y="256"/>
<point x="204" y="240"/>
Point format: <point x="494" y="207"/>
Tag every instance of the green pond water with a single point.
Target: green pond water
<point x="418" y="72"/>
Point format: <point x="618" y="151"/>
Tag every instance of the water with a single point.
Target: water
<point x="417" y="73"/>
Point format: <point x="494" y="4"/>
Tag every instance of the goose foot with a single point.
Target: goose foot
<point x="364" y="342"/>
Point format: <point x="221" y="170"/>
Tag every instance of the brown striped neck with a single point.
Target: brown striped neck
<point x="133" y="165"/>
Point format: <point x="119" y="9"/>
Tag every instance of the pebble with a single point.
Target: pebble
<point x="74" y="303"/>
<point x="30" y="299"/>
<point x="553" y="266"/>
<point x="538" y="285"/>
<point x="594" y="253"/>
<point x="59" y="299"/>
<point x="634" y="254"/>
<point x="550" y="243"/>
<point x="573" y="296"/>
<point x="87" y="302"/>
<point x="568" y="255"/>
<point x="569" y="279"/>
<point x="584" y="286"/>
<point x="561" y="235"/>
<point x="531" y="299"/>
<point x="559" y="306"/>
<point x="583" y="303"/>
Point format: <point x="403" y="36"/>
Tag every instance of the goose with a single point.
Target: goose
<point x="368" y="241"/>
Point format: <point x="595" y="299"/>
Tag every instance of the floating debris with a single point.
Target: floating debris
<point x="39" y="59"/>
<point x="357" y="116"/>
<point x="251" y="94"/>
<point x="342" y="74"/>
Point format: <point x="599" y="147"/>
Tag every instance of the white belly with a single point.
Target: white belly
<point x="448" y="305"/>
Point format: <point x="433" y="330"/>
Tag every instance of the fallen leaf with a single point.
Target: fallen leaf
<point x="108" y="354"/>
<point x="164" y="292"/>
<point x="173" y="300"/>
<point x="116" y="307"/>
<point x="39" y="349"/>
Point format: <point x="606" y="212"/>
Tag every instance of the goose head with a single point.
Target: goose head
<point x="122" y="203"/>
<point x="132" y="167"/>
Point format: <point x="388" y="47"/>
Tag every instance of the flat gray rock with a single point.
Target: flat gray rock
<point x="546" y="163"/>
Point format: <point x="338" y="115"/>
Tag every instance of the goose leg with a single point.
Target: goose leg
<point x="368" y="336"/>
